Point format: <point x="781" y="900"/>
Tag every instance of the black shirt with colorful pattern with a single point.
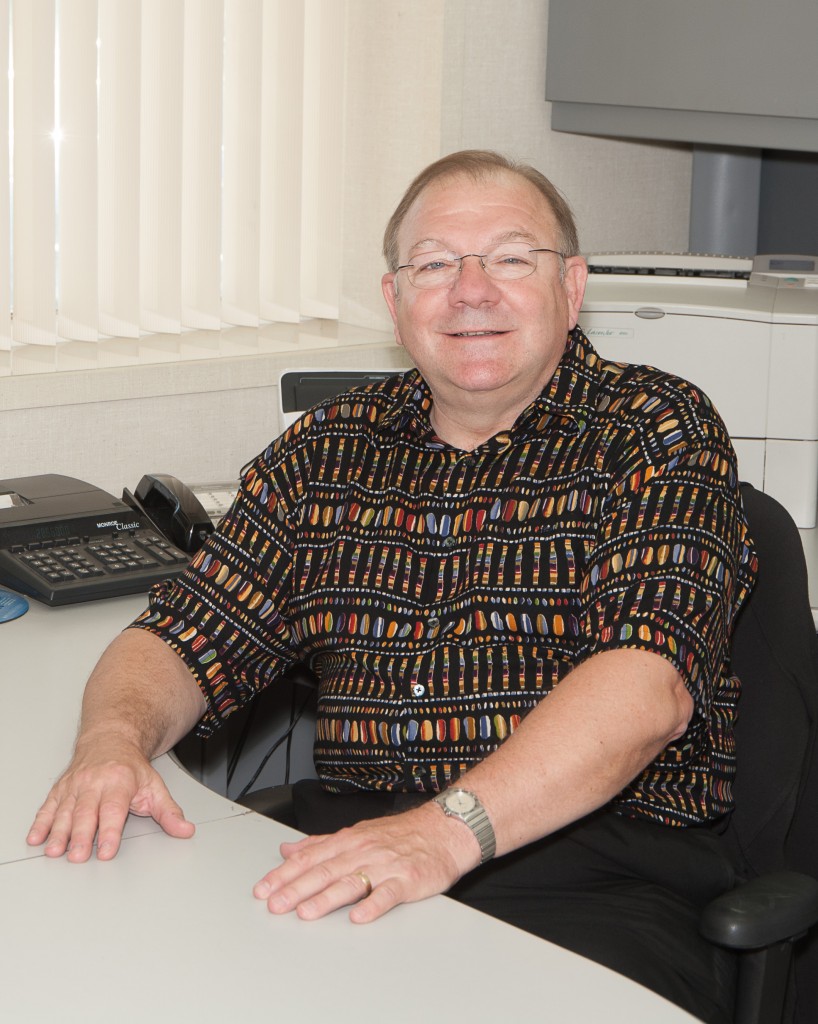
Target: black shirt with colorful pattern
<point x="441" y="594"/>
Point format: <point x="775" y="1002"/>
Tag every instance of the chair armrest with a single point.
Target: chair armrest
<point x="769" y="909"/>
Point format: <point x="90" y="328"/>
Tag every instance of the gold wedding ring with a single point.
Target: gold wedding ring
<point x="367" y="883"/>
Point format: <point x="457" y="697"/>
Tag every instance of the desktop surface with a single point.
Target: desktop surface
<point x="170" y="930"/>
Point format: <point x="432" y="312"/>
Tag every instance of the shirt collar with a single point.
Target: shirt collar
<point x="571" y="395"/>
<point x="411" y="407"/>
<point x="573" y="391"/>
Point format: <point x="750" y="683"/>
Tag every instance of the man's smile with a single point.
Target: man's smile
<point x="474" y="334"/>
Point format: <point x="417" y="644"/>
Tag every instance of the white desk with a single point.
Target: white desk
<point x="169" y="930"/>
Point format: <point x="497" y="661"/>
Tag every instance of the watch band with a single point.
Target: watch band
<point x="463" y="804"/>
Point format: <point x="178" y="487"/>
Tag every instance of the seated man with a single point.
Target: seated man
<point x="515" y="571"/>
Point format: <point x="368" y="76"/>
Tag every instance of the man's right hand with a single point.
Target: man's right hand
<point x="140" y="700"/>
<point x="93" y="798"/>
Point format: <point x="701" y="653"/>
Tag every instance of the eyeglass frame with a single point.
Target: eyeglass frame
<point x="481" y="257"/>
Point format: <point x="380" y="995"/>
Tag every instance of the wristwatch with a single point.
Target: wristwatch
<point x="460" y="803"/>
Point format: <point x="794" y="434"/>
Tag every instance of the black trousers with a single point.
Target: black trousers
<point x="625" y="893"/>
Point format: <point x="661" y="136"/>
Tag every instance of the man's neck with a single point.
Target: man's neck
<point x="467" y="432"/>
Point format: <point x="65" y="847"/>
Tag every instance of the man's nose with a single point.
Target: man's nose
<point x="473" y="286"/>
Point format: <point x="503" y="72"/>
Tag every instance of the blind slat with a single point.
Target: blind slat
<point x="35" y="292"/>
<point x="78" y="292"/>
<point x="160" y="253"/>
<point x="120" y="35"/>
<point x="324" y="50"/>
<point x="5" y="198"/>
<point x="242" y="164"/>
<point x="201" y="165"/>
<point x="282" y="102"/>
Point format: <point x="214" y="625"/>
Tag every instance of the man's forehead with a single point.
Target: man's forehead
<point x="498" y="238"/>
<point x="456" y="191"/>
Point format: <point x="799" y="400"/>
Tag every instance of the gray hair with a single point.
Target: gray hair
<point x="480" y="164"/>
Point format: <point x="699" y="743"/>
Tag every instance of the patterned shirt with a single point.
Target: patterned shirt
<point x="441" y="594"/>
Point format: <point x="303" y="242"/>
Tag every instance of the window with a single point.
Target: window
<point x="171" y="165"/>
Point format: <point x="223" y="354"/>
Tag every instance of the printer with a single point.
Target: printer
<point x="743" y="330"/>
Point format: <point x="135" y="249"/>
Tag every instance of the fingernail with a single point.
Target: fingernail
<point x="278" y="902"/>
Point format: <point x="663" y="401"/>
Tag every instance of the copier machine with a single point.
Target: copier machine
<point x="744" y="331"/>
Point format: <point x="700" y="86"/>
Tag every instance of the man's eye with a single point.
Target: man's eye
<point x="431" y="265"/>
<point x="512" y="260"/>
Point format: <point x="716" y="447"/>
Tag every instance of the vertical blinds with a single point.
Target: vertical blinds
<point x="172" y="164"/>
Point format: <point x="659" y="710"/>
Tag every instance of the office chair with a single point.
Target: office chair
<point x="774" y="827"/>
<point x="300" y="390"/>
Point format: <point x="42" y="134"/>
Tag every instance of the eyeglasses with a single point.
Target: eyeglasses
<point x="508" y="262"/>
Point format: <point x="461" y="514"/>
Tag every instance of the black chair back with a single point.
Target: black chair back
<point x="775" y="655"/>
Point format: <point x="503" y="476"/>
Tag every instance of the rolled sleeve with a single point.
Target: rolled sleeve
<point x="666" y="574"/>
<point x="226" y="615"/>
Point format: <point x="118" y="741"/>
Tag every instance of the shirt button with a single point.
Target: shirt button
<point x="449" y="542"/>
<point x="418" y="689"/>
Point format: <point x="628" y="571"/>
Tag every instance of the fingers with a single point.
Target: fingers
<point x="109" y="820"/>
<point x="373" y="866"/>
<point x="316" y="894"/>
<point x="384" y="898"/>
<point x="171" y="818"/>
<point x="89" y="819"/>
<point x="41" y="826"/>
<point x="85" y="806"/>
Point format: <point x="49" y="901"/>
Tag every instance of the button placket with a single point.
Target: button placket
<point x="461" y="479"/>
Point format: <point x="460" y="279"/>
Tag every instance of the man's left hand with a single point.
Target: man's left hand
<point x="374" y="865"/>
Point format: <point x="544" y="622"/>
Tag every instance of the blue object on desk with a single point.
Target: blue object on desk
<point x="12" y="606"/>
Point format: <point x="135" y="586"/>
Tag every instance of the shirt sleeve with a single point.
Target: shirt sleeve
<point x="226" y="615"/>
<point x="673" y="562"/>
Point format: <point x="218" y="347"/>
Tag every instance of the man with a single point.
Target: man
<point x="515" y="572"/>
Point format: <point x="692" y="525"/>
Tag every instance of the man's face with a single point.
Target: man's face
<point x="480" y="336"/>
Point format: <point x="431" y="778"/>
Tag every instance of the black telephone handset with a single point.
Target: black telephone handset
<point x="173" y="509"/>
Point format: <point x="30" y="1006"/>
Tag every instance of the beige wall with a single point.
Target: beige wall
<point x="200" y="421"/>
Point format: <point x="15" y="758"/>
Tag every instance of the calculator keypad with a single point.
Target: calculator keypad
<point x="122" y="553"/>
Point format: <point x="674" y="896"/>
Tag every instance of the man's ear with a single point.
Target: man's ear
<point x="576" y="276"/>
<point x="389" y="287"/>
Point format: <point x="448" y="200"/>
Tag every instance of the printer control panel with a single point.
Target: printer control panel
<point x="785" y="271"/>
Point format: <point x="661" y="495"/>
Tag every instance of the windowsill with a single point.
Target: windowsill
<point x="36" y="376"/>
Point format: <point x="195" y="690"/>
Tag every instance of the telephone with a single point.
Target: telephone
<point x="64" y="541"/>
<point x="173" y="509"/>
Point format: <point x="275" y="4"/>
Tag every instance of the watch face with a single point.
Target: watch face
<point x="460" y="802"/>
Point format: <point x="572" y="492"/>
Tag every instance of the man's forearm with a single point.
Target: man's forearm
<point x="142" y="693"/>
<point x="574" y="752"/>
